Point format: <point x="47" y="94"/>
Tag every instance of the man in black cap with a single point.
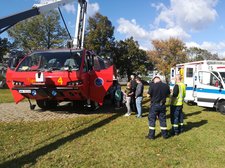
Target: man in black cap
<point x="158" y="92"/>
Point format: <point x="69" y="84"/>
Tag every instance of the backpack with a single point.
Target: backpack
<point x="118" y="95"/>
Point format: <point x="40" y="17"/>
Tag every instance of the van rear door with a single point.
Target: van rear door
<point x="208" y="88"/>
<point x="189" y="80"/>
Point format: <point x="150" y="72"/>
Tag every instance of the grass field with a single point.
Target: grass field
<point x="5" y="96"/>
<point x="108" y="139"/>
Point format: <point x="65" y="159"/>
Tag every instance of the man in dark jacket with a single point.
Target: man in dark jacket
<point x="133" y="87"/>
<point x="158" y="92"/>
<point x="139" y="96"/>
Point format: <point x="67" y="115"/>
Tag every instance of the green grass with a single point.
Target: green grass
<point x="111" y="140"/>
<point x="5" y="96"/>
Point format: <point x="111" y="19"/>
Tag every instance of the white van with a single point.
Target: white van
<point x="205" y="82"/>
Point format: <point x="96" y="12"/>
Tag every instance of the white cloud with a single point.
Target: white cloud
<point x="92" y="9"/>
<point x="213" y="47"/>
<point x="176" y="20"/>
<point x="144" y="37"/>
<point x="163" y="34"/>
<point x="131" y="28"/>
<point x="70" y="8"/>
<point x="188" y="14"/>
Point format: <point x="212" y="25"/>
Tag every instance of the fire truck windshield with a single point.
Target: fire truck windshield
<point x="52" y="60"/>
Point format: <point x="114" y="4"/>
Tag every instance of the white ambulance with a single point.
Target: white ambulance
<point x="205" y="82"/>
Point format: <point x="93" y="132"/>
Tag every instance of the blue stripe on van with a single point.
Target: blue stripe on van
<point x="189" y="88"/>
<point x="215" y="91"/>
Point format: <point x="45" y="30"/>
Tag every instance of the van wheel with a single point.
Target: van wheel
<point x="222" y="107"/>
<point x="46" y="104"/>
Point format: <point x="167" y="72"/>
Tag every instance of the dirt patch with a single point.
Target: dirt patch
<point x="11" y="112"/>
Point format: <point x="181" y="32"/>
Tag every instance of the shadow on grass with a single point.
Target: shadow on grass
<point x="186" y="115"/>
<point x="31" y="157"/>
<point x="188" y="127"/>
<point x="68" y="107"/>
<point x="192" y="114"/>
<point x="191" y="125"/>
<point x="208" y="109"/>
<point x="146" y="100"/>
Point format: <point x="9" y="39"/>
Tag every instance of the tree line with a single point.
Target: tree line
<point x="45" y="32"/>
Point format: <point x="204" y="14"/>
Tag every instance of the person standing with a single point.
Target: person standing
<point x="133" y="87"/>
<point x="128" y="93"/>
<point x="158" y="92"/>
<point x="177" y="99"/>
<point x="139" y="96"/>
<point x="118" y="96"/>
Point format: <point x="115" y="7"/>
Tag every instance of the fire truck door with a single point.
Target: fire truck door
<point x="100" y="82"/>
<point x="9" y="76"/>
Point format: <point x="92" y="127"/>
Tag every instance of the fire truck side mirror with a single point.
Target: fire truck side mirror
<point x="13" y="62"/>
<point x="69" y="44"/>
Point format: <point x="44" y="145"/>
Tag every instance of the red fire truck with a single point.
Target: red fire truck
<point x="53" y="76"/>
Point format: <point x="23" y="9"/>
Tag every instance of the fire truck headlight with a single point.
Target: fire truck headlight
<point x="75" y="83"/>
<point x="54" y="93"/>
<point x="17" y="83"/>
<point x="33" y="92"/>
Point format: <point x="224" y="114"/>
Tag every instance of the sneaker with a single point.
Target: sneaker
<point x="127" y="114"/>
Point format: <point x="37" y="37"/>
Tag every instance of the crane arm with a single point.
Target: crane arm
<point x="80" y="24"/>
<point x="7" y="22"/>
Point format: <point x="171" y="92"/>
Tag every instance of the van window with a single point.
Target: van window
<point x="189" y="73"/>
<point x="208" y="78"/>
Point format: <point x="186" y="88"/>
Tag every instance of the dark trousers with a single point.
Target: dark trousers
<point x="133" y="104"/>
<point x="177" y="119"/>
<point x="157" y="110"/>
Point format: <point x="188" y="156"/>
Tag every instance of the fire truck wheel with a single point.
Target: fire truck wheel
<point x="46" y="104"/>
<point x="222" y="107"/>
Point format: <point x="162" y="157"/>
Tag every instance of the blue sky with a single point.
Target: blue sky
<point x="198" y="23"/>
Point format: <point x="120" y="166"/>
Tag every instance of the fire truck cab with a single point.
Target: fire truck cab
<point x="60" y="75"/>
<point x="53" y="76"/>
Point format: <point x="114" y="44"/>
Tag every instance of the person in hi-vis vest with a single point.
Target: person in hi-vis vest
<point x="177" y="100"/>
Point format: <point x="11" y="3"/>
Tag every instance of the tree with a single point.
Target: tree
<point x="40" y="32"/>
<point x="4" y="47"/>
<point x="129" y="59"/>
<point x="99" y="34"/>
<point x="166" y="54"/>
<point x="198" y="54"/>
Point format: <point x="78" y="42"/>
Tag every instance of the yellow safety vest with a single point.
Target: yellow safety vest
<point x="178" y="101"/>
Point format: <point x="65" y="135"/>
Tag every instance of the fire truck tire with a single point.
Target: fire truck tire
<point x="222" y="107"/>
<point x="46" y="104"/>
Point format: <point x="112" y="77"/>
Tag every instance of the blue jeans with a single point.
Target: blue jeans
<point x="139" y="106"/>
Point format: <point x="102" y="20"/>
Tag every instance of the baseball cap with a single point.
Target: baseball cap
<point x="156" y="76"/>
